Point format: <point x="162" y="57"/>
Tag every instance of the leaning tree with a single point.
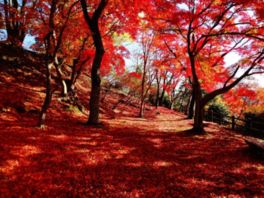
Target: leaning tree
<point x="208" y="31"/>
<point x="103" y="18"/>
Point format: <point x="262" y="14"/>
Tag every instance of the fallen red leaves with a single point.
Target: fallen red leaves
<point x="128" y="157"/>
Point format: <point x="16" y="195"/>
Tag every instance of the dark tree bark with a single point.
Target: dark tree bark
<point x="92" y="22"/>
<point x="199" y="110"/>
<point x="188" y="105"/>
<point x="191" y="106"/>
<point x="142" y="99"/>
<point x="48" y="98"/>
<point x="158" y="89"/>
<point x="166" y="82"/>
<point x="48" y="64"/>
<point x="163" y="91"/>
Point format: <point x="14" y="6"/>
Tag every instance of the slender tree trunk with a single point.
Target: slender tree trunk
<point x="48" y="65"/>
<point x="141" y="111"/>
<point x="157" y="94"/>
<point x="48" y="98"/>
<point x="172" y="105"/>
<point x="73" y="75"/>
<point x="142" y="100"/>
<point x="181" y="103"/>
<point x="162" y="97"/>
<point x="191" y="106"/>
<point x="64" y="88"/>
<point x="199" y="112"/>
<point x="163" y="92"/>
<point x="187" y="106"/>
<point x="158" y="88"/>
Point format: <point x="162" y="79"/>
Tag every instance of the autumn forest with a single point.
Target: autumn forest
<point x="129" y="98"/>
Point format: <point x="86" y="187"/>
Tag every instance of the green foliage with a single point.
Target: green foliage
<point x="217" y="112"/>
<point x="219" y="109"/>
<point x="166" y="101"/>
<point x="73" y="108"/>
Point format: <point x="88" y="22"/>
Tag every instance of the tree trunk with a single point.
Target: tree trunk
<point x="92" y="22"/>
<point x="172" y="105"/>
<point x="141" y="111"/>
<point x="158" y="88"/>
<point x="162" y="97"/>
<point x="48" y="65"/>
<point x="64" y="88"/>
<point x="187" y="106"/>
<point x="95" y="92"/>
<point x="157" y="94"/>
<point x="163" y="92"/>
<point x="191" y="106"/>
<point x="95" y="77"/>
<point x="199" y="113"/>
<point x="48" y="98"/>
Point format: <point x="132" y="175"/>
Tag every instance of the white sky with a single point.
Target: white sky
<point x="233" y="57"/>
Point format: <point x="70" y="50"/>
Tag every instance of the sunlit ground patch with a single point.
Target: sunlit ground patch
<point x="83" y="138"/>
<point x="8" y="117"/>
<point x="135" y="164"/>
<point x="159" y="164"/>
<point x="59" y="137"/>
<point x="25" y="151"/>
<point x="9" y="166"/>
<point x="247" y="167"/>
<point x="198" y="183"/>
<point x="22" y="153"/>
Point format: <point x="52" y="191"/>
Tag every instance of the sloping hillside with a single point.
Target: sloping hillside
<point x="23" y="90"/>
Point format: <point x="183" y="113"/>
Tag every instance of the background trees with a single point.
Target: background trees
<point x="16" y="16"/>
<point x="208" y="32"/>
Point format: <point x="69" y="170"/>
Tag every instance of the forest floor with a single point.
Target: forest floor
<point x="155" y="156"/>
<point x="127" y="157"/>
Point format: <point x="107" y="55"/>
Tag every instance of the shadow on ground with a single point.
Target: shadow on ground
<point x="126" y="158"/>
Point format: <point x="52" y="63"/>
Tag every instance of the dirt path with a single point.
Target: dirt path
<point x="129" y="157"/>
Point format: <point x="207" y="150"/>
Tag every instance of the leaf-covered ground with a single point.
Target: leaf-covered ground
<point x="128" y="157"/>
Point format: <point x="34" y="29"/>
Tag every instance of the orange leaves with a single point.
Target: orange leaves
<point x="239" y="98"/>
<point x="257" y="106"/>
